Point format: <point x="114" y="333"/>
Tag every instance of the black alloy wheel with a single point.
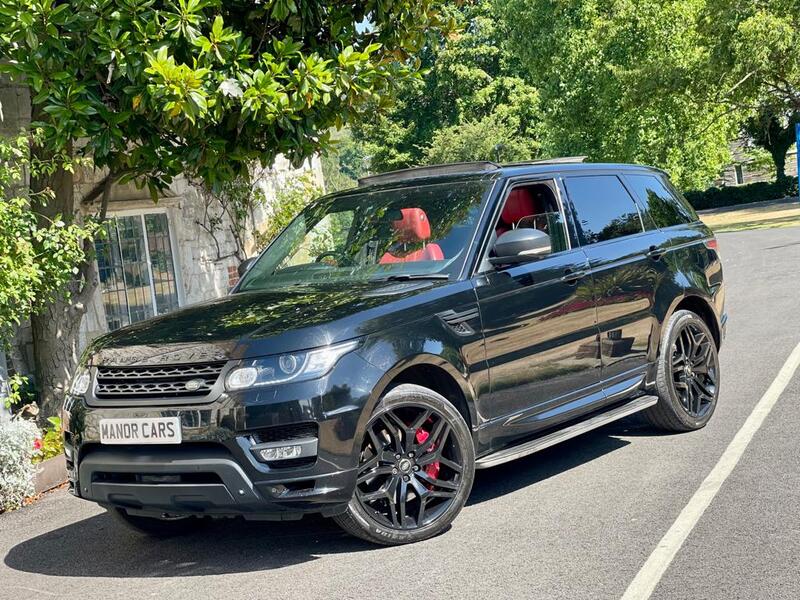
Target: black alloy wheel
<point x="416" y="467"/>
<point x="694" y="370"/>
<point x="688" y="376"/>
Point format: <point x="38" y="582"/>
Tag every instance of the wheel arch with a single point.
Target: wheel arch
<point x="703" y="308"/>
<point x="432" y="372"/>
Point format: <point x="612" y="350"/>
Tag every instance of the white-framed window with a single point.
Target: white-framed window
<point x="738" y="171"/>
<point x="136" y="268"/>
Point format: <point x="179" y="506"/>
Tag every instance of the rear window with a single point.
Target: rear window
<point x="664" y="208"/>
<point x="604" y="210"/>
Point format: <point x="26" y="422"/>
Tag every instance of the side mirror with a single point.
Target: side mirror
<point x="245" y="265"/>
<point x="520" y="245"/>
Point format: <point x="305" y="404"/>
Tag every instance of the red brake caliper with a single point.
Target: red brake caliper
<point x="432" y="469"/>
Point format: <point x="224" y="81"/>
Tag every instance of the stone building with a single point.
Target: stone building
<point x="156" y="257"/>
<point x="745" y="169"/>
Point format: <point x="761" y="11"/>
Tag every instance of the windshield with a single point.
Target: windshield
<point x="409" y="232"/>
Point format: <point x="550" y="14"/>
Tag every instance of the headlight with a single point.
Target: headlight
<point x="294" y="366"/>
<point x="80" y="383"/>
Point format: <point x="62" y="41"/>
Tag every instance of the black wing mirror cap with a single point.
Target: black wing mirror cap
<point x="520" y="245"/>
<point x="245" y="265"/>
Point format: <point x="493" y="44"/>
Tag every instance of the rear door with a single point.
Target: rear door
<point x="626" y="268"/>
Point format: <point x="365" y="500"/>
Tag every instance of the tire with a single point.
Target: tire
<point x="157" y="527"/>
<point x="687" y="386"/>
<point x="416" y="468"/>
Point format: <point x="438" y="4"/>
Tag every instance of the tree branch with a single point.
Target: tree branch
<point x="98" y="189"/>
<point x="88" y="269"/>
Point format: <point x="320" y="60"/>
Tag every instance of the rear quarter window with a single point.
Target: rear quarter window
<point x="663" y="205"/>
<point x="603" y="208"/>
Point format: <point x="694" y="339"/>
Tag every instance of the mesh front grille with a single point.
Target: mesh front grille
<point x="157" y="381"/>
<point x="283" y="433"/>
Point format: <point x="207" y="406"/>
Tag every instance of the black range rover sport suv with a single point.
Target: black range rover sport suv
<point x="398" y="336"/>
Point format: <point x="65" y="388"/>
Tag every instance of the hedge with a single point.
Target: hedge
<point x="742" y="194"/>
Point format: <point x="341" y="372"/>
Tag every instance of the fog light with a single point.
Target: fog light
<point x="281" y="453"/>
<point x="285" y="450"/>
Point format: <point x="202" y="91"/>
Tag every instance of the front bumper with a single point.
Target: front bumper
<point x="213" y="471"/>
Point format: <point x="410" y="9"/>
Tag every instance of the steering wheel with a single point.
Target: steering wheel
<point x="340" y="257"/>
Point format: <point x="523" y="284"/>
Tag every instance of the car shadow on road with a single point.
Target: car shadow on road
<point x="100" y="547"/>
<point x="524" y="472"/>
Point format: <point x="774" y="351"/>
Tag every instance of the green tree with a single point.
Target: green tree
<point x="471" y="104"/>
<point x="619" y="81"/>
<point x="755" y="64"/>
<point x="37" y="254"/>
<point x="774" y="131"/>
<point x="344" y="163"/>
<point x="153" y="88"/>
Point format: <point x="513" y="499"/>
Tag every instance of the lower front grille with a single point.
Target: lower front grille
<point x="157" y="381"/>
<point x="285" y="433"/>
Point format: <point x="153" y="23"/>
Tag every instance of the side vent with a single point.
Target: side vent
<point x="459" y="321"/>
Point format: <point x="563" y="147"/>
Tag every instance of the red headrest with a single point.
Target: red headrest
<point x="520" y="204"/>
<point x="413" y="227"/>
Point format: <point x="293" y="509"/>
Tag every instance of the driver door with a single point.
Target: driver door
<point x="540" y="328"/>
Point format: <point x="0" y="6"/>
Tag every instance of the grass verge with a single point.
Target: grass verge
<point x="764" y="215"/>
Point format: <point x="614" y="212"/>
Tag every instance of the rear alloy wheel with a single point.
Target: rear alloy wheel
<point x="416" y="468"/>
<point x="688" y="375"/>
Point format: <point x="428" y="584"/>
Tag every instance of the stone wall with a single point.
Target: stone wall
<point x="15" y="108"/>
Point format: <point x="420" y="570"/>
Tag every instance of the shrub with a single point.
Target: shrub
<point x="715" y="197"/>
<point x="52" y="441"/>
<point x="17" y="470"/>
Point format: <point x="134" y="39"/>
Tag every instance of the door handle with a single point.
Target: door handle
<point x="571" y="276"/>
<point x="655" y="252"/>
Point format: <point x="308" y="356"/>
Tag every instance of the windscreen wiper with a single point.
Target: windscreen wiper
<point x="415" y="276"/>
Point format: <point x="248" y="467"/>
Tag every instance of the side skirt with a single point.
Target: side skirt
<point x="598" y="420"/>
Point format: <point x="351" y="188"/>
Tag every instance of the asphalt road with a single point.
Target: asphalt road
<point x="575" y="521"/>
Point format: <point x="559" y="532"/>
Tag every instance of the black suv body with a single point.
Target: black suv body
<point x="437" y="320"/>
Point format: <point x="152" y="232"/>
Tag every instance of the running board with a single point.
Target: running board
<point x="512" y="453"/>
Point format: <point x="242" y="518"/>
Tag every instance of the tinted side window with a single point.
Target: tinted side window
<point x="604" y="210"/>
<point x="664" y="208"/>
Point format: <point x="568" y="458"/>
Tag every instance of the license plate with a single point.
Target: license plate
<point x="154" y="430"/>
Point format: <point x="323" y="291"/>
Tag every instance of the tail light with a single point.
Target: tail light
<point x="711" y="244"/>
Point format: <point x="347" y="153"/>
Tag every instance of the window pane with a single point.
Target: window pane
<point x="112" y="280"/>
<point x="664" y="209"/>
<point x="603" y="208"/>
<point x="161" y="263"/>
<point x="134" y="263"/>
<point x="126" y="287"/>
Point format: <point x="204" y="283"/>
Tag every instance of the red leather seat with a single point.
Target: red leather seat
<point x="519" y="204"/>
<point x="413" y="228"/>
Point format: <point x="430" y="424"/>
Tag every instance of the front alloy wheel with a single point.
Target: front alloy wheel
<point x="416" y="468"/>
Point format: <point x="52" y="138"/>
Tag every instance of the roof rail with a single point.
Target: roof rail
<point x="561" y="160"/>
<point x="432" y="171"/>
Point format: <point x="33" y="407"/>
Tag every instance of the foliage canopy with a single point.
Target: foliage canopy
<point x="623" y="81"/>
<point x="156" y="88"/>
<point x="471" y="104"/>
